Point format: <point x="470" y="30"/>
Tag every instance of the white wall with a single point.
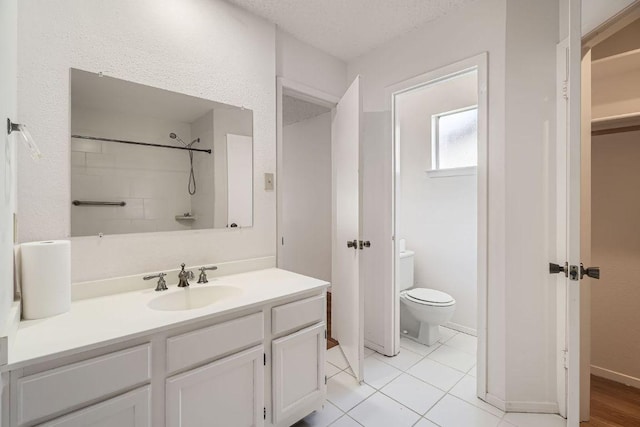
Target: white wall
<point x="306" y="197"/>
<point x="203" y="203"/>
<point x="8" y="104"/>
<point x="302" y="63"/>
<point x="204" y="48"/>
<point x="479" y="27"/>
<point x="438" y="215"/>
<point x="151" y="181"/>
<point x="615" y="233"/>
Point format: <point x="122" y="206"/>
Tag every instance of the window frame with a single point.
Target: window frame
<point x="435" y="169"/>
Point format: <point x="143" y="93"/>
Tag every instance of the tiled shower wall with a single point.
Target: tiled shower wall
<point x="152" y="181"/>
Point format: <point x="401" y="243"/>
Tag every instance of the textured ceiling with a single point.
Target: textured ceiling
<point x="349" y="28"/>
<point x="295" y="110"/>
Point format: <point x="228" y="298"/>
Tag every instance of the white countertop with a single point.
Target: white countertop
<point x="114" y="318"/>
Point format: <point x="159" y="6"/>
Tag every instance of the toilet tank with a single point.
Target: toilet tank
<point x="406" y="270"/>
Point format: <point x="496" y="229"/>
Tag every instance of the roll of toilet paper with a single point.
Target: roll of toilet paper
<point x="46" y="278"/>
<point x="403" y="245"/>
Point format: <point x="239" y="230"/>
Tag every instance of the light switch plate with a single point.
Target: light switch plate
<point x="268" y="181"/>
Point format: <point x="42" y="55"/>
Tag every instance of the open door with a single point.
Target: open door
<point x="347" y="309"/>
<point x="572" y="128"/>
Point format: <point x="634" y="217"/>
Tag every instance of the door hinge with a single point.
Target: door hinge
<point x="325" y="380"/>
<point x="325" y="334"/>
<point x="264" y="413"/>
<point x="282" y="241"/>
<point x="565" y="359"/>
<point x="265" y="358"/>
<point x="565" y="89"/>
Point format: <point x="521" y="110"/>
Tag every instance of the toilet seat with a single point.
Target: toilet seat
<point x="430" y="297"/>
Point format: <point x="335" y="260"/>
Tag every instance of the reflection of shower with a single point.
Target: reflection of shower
<point x="192" y="177"/>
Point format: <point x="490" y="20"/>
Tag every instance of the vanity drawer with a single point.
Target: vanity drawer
<point x="296" y="315"/>
<point x="205" y="344"/>
<point x="69" y="386"/>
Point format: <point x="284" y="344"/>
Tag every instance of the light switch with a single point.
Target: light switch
<point x="268" y="182"/>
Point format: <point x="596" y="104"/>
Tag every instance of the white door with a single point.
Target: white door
<point x="298" y="374"/>
<point x="129" y="410"/>
<point x="229" y="392"/>
<point x="239" y="180"/>
<point x="568" y="219"/>
<point x="347" y="301"/>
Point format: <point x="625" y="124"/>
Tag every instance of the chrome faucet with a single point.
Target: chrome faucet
<point x="184" y="276"/>
<point x="203" y="276"/>
<point x="162" y="284"/>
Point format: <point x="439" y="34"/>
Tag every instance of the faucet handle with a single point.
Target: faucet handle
<point x="203" y="276"/>
<point x="162" y="284"/>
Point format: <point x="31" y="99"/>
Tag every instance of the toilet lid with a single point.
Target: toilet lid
<point x="430" y="295"/>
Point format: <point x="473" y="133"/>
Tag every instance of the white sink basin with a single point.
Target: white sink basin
<point x="193" y="297"/>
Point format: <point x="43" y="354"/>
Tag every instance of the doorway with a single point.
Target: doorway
<point x="440" y="201"/>
<point x="611" y="232"/>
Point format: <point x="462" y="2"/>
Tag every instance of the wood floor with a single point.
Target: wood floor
<point x="331" y="342"/>
<point x="613" y="404"/>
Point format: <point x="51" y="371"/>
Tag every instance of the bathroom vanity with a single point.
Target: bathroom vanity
<point x="253" y="356"/>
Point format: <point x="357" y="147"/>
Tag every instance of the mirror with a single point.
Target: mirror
<point x="145" y="159"/>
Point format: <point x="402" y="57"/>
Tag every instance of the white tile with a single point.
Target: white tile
<point x="466" y="390"/>
<point x="330" y="370"/>
<point x="453" y="412"/>
<point x="424" y="423"/>
<point x="350" y="372"/>
<point x="377" y="374"/>
<point x="454" y="358"/>
<point x="322" y="418"/>
<point x="464" y="342"/>
<point x="413" y="393"/>
<point x="403" y="360"/>
<point x="368" y="352"/>
<point x="335" y="357"/>
<point x="78" y="159"/>
<point x="436" y="374"/>
<point x="381" y="411"/>
<point x="416" y="347"/>
<point x="535" y="420"/>
<point x="345" y="392"/>
<point x="473" y="371"/>
<point x="446" y="334"/>
<point x="345" y="421"/>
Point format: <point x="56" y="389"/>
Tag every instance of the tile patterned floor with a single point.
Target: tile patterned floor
<point x="421" y="386"/>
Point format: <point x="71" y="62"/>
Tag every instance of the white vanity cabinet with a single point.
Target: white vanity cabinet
<point x="262" y="365"/>
<point x="228" y="392"/>
<point x="132" y="409"/>
<point x="298" y="369"/>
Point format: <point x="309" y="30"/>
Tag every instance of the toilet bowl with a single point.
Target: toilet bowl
<point x="431" y="308"/>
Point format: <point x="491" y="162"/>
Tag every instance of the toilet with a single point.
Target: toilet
<point x="431" y="308"/>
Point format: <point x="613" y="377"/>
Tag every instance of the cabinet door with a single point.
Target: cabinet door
<point x="228" y="392"/>
<point x="128" y="410"/>
<point x="298" y="373"/>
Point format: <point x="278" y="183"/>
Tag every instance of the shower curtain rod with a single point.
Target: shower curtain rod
<point x="148" y="144"/>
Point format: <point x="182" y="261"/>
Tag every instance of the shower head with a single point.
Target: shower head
<point x="174" y="136"/>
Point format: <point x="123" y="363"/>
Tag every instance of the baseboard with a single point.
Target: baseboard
<point x="533" y="407"/>
<point x="495" y="401"/>
<point x="375" y="347"/>
<point x="615" y="376"/>
<point x="460" y="328"/>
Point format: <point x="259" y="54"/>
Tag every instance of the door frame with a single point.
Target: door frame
<point x="480" y="63"/>
<point x="300" y="91"/>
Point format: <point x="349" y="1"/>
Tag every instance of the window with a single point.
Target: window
<point x="455" y="139"/>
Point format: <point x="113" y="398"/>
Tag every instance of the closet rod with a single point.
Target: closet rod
<point x="148" y="144"/>
<point x="615" y="130"/>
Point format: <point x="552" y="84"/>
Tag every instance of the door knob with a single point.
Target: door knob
<point x="555" y="269"/>
<point x="365" y="244"/>
<point x="593" y="272"/>
<point x="352" y="244"/>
